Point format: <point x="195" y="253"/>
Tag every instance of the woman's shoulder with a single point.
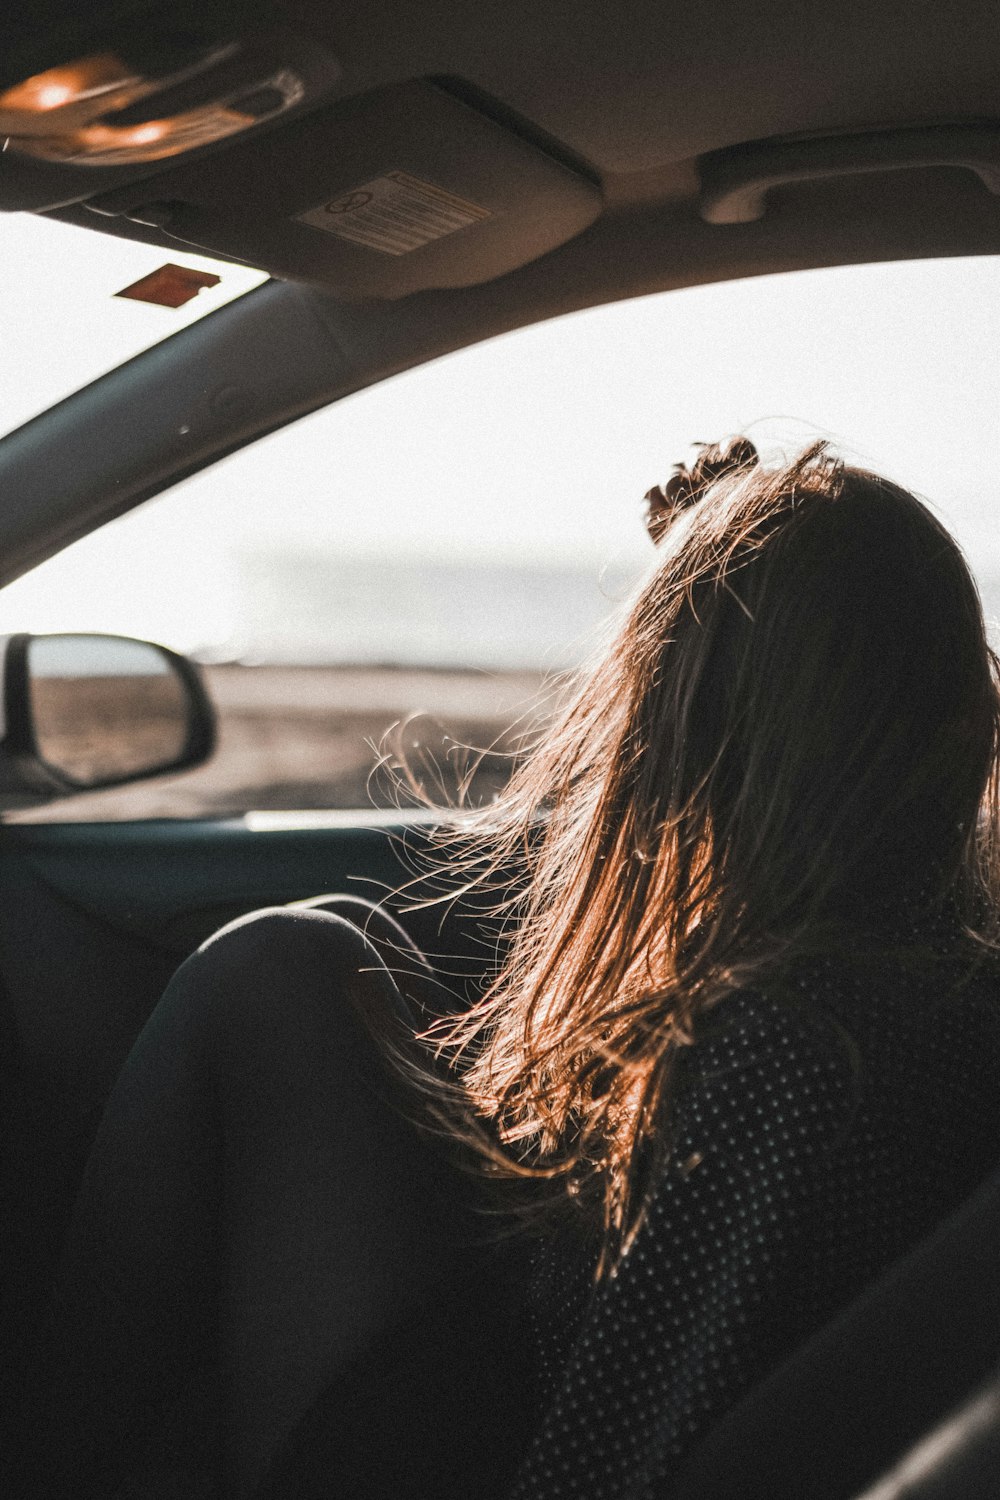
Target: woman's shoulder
<point x="831" y="1002"/>
<point x="769" y="1070"/>
<point x="782" y="1023"/>
<point x="807" y="1049"/>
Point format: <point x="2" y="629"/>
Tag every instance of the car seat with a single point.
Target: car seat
<point x="897" y="1396"/>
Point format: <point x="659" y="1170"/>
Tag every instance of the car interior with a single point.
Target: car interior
<point x="415" y="179"/>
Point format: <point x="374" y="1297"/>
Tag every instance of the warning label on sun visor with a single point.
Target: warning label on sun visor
<point x="395" y="213"/>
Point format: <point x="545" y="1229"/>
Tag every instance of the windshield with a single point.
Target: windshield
<point x="63" y="317"/>
<point x="532" y="451"/>
<point x="436" y="544"/>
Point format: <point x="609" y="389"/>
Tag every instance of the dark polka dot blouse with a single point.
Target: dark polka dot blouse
<point x="820" y="1131"/>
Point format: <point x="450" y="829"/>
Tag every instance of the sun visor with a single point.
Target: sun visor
<point x="402" y="190"/>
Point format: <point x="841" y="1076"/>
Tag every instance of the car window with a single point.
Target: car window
<point x="401" y="573"/>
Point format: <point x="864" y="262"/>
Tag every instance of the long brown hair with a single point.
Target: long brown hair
<point x="796" y="731"/>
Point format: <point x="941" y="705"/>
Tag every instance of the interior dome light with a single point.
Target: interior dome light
<point x="102" y="81"/>
<point x="101" y="111"/>
<point x="107" y="144"/>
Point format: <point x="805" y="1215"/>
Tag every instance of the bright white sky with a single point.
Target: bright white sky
<point x="62" y="324"/>
<point x="534" y="447"/>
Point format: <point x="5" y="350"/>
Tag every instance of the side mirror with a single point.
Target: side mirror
<point x="88" y="711"/>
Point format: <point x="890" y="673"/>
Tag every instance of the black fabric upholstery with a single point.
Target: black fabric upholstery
<point x="259" y="1225"/>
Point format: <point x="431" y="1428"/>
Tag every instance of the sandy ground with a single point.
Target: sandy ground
<point x="304" y="737"/>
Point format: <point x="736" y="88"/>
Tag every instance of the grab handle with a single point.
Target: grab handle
<point x="735" y="183"/>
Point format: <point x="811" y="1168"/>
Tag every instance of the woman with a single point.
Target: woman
<point x="740" y="1053"/>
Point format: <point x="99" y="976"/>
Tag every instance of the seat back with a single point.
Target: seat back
<point x="959" y="1460"/>
<point x="841" y="1410"/>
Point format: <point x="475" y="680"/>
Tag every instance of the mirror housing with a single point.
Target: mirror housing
<point x="85" y="711"/>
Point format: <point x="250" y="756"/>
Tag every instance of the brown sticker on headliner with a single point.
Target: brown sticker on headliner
<point x="170" y="286"/>
<point x="394" y="213"/>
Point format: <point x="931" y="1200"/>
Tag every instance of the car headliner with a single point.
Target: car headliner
<point x="603" y="128"/>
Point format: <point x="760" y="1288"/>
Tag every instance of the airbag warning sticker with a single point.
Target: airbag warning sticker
<point x="394" y="213"/>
